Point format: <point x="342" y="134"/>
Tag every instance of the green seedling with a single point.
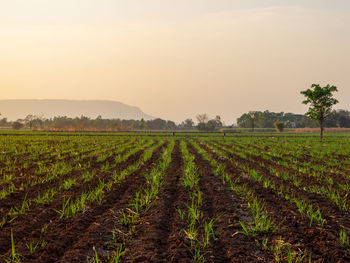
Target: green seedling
<point x="67" y="184"/>
<point x="208" y="231"/>
<point x="64" y="209"/>
<point x="181" y="213"/>
<point x="343" y="238"/>
<point x="119" y="253"/>
<point x="32" y="247"/>
<point x="15" y="257"/>
<point x="96" y="255"/>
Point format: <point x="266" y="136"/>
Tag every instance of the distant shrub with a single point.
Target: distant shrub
<point x="279" y="125"/>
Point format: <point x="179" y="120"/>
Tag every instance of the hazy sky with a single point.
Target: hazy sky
<point x="175" y="59"/>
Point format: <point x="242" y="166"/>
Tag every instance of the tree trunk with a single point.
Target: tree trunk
<point x="321" y="134"/>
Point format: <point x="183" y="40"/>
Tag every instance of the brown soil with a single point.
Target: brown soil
<point x="220" y="202"/>
<point x="159" y="235"/>
<point x="29" y="226"/>
<point x="321" y="242"/>
<point x="330" y="211"/>
<point x="71" y="240"/>
<point x="16" y="199"/>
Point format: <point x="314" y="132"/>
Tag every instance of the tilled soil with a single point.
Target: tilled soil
<point x="330" y="211"/>
<point x="159" y="235"/>
<point x="17" y="198"/>
<point x="97" y="233"/>
<point x="30" y="226"/>
<point x="321" y="241"/>
<point x="221" y="203"/>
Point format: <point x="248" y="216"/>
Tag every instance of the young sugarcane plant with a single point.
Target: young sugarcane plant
<point x="15" y="257"/>
<point x="343" y="239"/>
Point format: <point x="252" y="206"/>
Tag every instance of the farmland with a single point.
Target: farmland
<point x="158" y="198"/>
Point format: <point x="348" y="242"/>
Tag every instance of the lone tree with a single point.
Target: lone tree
<point x="321" y="101"/>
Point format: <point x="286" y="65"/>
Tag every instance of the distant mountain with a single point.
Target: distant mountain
<point x="18" y="109"/>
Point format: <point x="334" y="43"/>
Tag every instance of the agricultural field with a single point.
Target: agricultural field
<point x="193" y="198"/>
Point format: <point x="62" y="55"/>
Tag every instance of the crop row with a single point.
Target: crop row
<point x="286" y="196"/>
<point x="65" y="199"/>
<point x="210" y="199"/>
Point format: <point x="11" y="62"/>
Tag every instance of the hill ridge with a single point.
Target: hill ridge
<point x="14" y="109"/>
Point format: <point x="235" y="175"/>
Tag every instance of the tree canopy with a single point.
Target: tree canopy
<point x="321" y="101"/>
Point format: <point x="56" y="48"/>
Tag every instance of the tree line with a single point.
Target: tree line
<point x="266" y="119"/>
<point x="83" y="123"/>
<point x="250" y="120"/>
